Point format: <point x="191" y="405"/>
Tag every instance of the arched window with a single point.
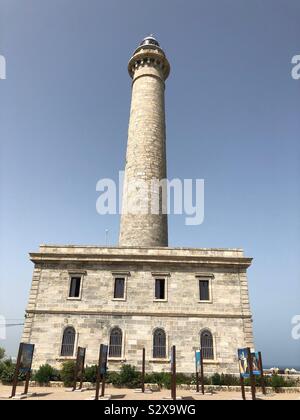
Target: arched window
<point x="207" y="345"/>
<point x="159" y="344"/>
<point x="115" y="343"/>
<point x="68" y="342"/>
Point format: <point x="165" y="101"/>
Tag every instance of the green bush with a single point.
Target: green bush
<point x="68" y="373"/>
<point x="224" y="380"/>
<point x="90" y="374"/>
<point x="2" y="353"/>
<point x="162" y="379"/>
<point x="45" y="374"/>
<point x="216" y="379"/>
<point x="181" y="378"/>
<point x="7" y="374"/>
<point x="207" y="380"/>
<point x="3" y="362"/>
<point x="280" y="382"/>
<point x="113" y="378"/>
<point x="130" y="377"/>
<point x="274" y="381"/>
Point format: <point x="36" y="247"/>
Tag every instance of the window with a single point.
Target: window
<point x="119" y="290"/>
<point x="75" y="287"/>
<point x="204" y="290"/>
<point x="115" y="343"/>
<point x="160" y="289"/>
<point x="68" y="342"/>
<point x="159" y="344"/>
<point x="207" y="345"/>
<point x="119" y="285"/>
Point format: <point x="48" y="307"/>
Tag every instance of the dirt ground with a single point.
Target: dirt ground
<point x="45" y="393"/>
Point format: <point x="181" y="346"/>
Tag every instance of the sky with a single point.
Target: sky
<point x="232" y="111"/>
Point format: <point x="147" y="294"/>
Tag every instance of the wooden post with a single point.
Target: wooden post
<point x="76" y="371"/>
<point x="101" y="371"/>
<point x="79" y="367"/>
<point x="202" y="373"/>
<point x="243" y="387"/>
<point x="98" y="373"/>
<point x="252" y="377"/>
<point x="28" y="375"/>
<point x="173" y="383"/>
<point x="16" y="374"/>
<point x="81" y="379"/>
<point x="197" y="370"/>
<point x="263" y="384"/>
<point x="103" y="385"/>
<point x="143" y="370"/>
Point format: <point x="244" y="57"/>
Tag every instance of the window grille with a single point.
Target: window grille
<point x="115" y="343"/>
<point x="68" y="342"/>
<point x="159" y="344"/>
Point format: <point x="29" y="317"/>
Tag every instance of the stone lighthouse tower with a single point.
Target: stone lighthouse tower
<point x="142" y="294"/>
<point x="143" y="222"/>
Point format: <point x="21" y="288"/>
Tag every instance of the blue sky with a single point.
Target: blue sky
<point x="232" y="119"/>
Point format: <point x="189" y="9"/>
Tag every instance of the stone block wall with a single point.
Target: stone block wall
<point x="182" y="315"/>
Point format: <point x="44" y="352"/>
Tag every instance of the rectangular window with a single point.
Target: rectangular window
<point x="160" y="289"/>
<point x="75" y="287"/>
<point x="119" y="290"/>
<point x="204" y="290"/>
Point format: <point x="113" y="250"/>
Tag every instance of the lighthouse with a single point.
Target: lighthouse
<point x="146" y="166"/>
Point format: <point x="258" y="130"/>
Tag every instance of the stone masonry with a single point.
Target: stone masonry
<point x="146" y="150"/>
<point x="142" y="257"/>
<point x="182" y="316"/>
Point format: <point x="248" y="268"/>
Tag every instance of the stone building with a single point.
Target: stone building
<point x="141" y="293"/>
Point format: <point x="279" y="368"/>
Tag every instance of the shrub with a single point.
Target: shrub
<point x="3" y="362"/>
<point x="216" y="379"/>
<point x="129" y="376"/>
<point x="181" y="378"/>
<point x="224" y="380"/>
<point x="1" y="368"/>
<point x="207" y="380"/>
<point x="7" y="374"/>
<point x="68" y="373"/>
<point x="2" y="353"/>
<point x="162" y="379"/>
<point x="45" y="374"/>
<point x="280" y="382"/>
<point x="113" y="378"/>
<point x="90" y="374"/>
